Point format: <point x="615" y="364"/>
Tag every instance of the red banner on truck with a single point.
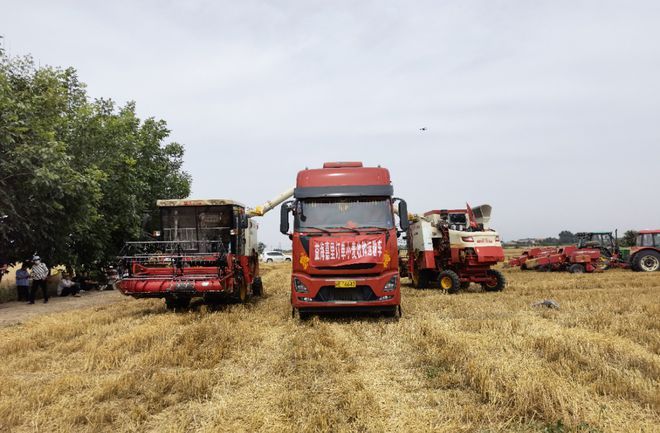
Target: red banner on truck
<point x="347" y="250"/>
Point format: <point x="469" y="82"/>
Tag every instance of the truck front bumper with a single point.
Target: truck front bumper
<point x="320" y="293"/>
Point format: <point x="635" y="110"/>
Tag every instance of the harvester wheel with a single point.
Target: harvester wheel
<point x="240" y="287"/>
<point x="499" y="284"/>
<point x="449" y="281"/>
<point x="257" y="287"/>
<point x="577" y="268"/>
<point x="173" y="303"/>
<point x="647" y="261"/>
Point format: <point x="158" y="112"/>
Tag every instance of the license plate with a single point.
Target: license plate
<point x="345" y="284"/>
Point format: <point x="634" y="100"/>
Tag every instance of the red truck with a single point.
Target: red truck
<point x="344" y="240"/>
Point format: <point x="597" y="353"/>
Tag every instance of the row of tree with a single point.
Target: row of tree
<point x="77" y="175"/>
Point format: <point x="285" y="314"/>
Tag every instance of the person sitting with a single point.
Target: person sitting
<point x="67" y="287"/>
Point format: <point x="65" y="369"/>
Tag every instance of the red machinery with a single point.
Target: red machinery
<point x="344" y="240"/>
<point x="453" y="248"/>
<point x="204" y="248"/>
<point x="645" y="255"/>
<point x="595" y="252"/>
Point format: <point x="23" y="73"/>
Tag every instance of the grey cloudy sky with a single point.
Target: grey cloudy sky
<point x="547" y="110"/>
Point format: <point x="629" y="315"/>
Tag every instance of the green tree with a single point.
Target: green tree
<point x="76" y="176"/>
<point x="629" y="238"/>
<point x="567" y="237"/>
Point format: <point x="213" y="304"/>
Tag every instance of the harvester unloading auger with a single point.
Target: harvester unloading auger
<point x="453" y="248"/>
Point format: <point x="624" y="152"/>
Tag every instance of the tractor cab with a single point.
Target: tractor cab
<point x="600" y="240"/>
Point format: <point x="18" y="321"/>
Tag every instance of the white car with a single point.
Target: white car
<point x="275" y="257"/>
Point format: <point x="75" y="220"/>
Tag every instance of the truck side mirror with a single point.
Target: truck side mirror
<point x="245" y="223"/>
<point x="403" y="215"/>
<point x="284" y="217"/>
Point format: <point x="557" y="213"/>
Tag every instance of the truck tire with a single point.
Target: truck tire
<point x="449" y="281"/>
<point x="577" y="268"/>
<point x="500" y="282"/>
<point x="646" y="261"/>
<point x="257" y="287"/>
<point x="420" y="278"/>
<point x="172" y="303"/>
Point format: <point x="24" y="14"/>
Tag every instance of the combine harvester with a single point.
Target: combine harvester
<point x="203" y="248"/>
<point x="594" y="252"/>
<point x="344" y="240"/>
<point x="453" y="248"/>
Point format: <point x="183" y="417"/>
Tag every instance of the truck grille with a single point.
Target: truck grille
<point x="332" y="293"/>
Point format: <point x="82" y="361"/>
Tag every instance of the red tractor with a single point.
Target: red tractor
<point x="645" y="255"/>
<point x="594" y="252"/>
<point x="203" y="248"/>
<point x="453" y="248"/>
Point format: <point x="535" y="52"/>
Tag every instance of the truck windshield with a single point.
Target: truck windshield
<point x="344" y="213"/>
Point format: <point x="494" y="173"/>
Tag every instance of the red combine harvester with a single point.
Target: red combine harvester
<point x="204" y="248"/>
<point x="645" y="255"/>
<point x="595" y="252"/>
<point x="453" y="248"/>
<point x="344" y="240"/>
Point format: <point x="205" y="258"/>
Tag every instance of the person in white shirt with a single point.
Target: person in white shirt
<point x="67" y="287"/>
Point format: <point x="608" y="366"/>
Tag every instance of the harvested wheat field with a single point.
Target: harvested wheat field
<point x="473" y="362"/>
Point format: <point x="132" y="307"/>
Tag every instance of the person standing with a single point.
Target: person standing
<point x="39" y="275"/>
<point x="23" y="283"/>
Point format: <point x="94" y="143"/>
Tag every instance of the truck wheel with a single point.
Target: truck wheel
<point x="498" y="284"/>
<point x="449" y="281"/>
<point x="257" y="287"/>
<point x="420" y="279"/>
<point x="576" y="268"/>
<point x="647" y="261"/>
<point x="173" y="303"/>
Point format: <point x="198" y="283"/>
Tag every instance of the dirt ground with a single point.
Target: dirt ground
<point x="12" y="313"/>
<point x="472" y="362"/>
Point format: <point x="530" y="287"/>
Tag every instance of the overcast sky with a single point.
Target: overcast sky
<point x="547" y="110"/>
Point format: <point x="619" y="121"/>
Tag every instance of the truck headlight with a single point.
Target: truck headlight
<point x="299" y="286"/>
<point x="391" y="284"/>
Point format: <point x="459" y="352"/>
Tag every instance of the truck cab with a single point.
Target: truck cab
<point x="344" y="240"/>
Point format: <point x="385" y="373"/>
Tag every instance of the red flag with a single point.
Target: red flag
<point x="473" y="219"/>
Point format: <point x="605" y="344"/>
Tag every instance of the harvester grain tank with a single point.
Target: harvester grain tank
<point x="344" y="240"/>
<point x="203" y="248"/>
<point x="454" y="247"/>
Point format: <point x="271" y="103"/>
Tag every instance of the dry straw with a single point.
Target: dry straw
<point x="474" y="362"/>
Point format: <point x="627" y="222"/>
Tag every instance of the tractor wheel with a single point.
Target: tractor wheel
<point x="174" y="304"/>
<point x="420" y="279"/>
<point x="577" y="268"/>
<point x="499" y="283"/>
<point x="647" y="261"/>
<point x="257" y="287"/>
<point x="449" y="281"/>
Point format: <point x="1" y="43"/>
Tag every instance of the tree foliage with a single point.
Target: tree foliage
<point x="629" y="238"/>
<point x="566" y="237"/>
<point x="76" y="176"/>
